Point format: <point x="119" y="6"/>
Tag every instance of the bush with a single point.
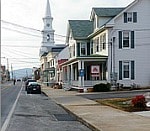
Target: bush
<point x="139" y="101"/>
<point x="101" y="87"/>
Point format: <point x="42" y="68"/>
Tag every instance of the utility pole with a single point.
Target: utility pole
<point x="12" y="71"/>
<point x="7" y="65"/>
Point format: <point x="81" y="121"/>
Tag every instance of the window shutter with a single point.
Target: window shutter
<point x="120" y="70"/>
<point x="132" y="70"/>
<point x="125" y="17"/>
<point x="88" y="48"/>
<point x="132" y="39"/>
<point x="78" y="49"/>
<point x="134" y="17"/>
<point x="120" y="39"/>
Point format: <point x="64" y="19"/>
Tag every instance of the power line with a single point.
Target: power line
<point x="33" y="29"/>
<point x="20" y="25"/>
<point x="21" y="46"/>
<point x="20" y="32"/>
<point x="30" y="34"/>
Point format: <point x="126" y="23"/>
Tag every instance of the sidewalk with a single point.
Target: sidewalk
<point x="96" y="116"/>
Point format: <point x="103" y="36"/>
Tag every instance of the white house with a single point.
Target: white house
<point x="129" y="35"/>
<point x="113" y="46"/>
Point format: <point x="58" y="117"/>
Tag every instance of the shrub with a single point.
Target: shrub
<point x="101" y="87"/>
<point x="139" y="101"/>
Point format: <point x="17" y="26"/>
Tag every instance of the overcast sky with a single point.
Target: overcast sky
<point x="18" y="42"/>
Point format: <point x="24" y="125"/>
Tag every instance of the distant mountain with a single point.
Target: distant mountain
<point x="20" y="73"/>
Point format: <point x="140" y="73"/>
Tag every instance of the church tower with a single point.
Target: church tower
<point x="47" y="32"/>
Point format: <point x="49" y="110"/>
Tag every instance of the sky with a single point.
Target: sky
<point x="21" y="25"/>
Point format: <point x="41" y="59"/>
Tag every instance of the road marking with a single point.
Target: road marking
<point x="6" y="123"/>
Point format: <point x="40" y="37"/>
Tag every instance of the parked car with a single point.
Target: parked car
<point x="33" y="87"/>
<point x="27" y="82"/>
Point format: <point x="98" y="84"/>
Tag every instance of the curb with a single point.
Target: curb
<point x="44" y="93"/>
<point x="93" y="128"/>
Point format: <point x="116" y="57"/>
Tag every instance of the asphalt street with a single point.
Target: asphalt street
<point x="9" y="94"/>
<point x="37" y="112"/>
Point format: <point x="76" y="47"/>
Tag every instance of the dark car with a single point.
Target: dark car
<point x="27" y="82"/>
<point x="33" y="87"/>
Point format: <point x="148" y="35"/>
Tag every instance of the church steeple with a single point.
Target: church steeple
<point x="48" y="10"/>
<point x="47" y="32"/>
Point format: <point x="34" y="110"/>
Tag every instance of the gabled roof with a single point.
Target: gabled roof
<point x="124" y="10"/>
<point x="107" y="11"/>
<point x="81" y="28"/>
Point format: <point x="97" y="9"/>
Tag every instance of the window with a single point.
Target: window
<point x="83" y="49"/>
<point x="97" y="44"/>
<point x="101" y="43"/>
<point x="126" y="70"/>
<point x="125" y="39"/>
<point x="91" y="47"/>
<point x="130" y="17"/>
<point x="104" y="41"/>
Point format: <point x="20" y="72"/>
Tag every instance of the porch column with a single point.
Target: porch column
<point x="62" y="74"/>
<point x="81" y="77"/>
<point x="71" y="73"/>
<point x="68" y="74"/>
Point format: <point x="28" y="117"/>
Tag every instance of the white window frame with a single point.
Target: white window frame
<point x="97" y="44"/>
<point x="91" y="47"/>
<point x="83" y="45"/>
<point x="104" y="41"/>
<point x="126" y="63"/>
<point x="129" y="39"/>
<point x="129" y="17"/>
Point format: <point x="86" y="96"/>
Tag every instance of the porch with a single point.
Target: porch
<point x="78" y="74"/>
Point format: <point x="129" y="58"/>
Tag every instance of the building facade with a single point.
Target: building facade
<point x="130" y="37"/>
<point x="113" y="46"/>
<point x="48" y="49"/>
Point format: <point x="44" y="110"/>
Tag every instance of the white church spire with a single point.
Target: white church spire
<point x="47" y="32"/>
<point x="48" y="10"/>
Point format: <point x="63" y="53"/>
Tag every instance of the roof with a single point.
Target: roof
<point x="44" y="54"/>
<point x="81" y="28"/>
<point x="111" y="12"/>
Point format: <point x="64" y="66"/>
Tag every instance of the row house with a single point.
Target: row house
<point x="113" y="46"/>
<point x="48" y="65"/>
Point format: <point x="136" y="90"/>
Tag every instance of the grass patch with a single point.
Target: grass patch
<point x="120" y="103"/>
